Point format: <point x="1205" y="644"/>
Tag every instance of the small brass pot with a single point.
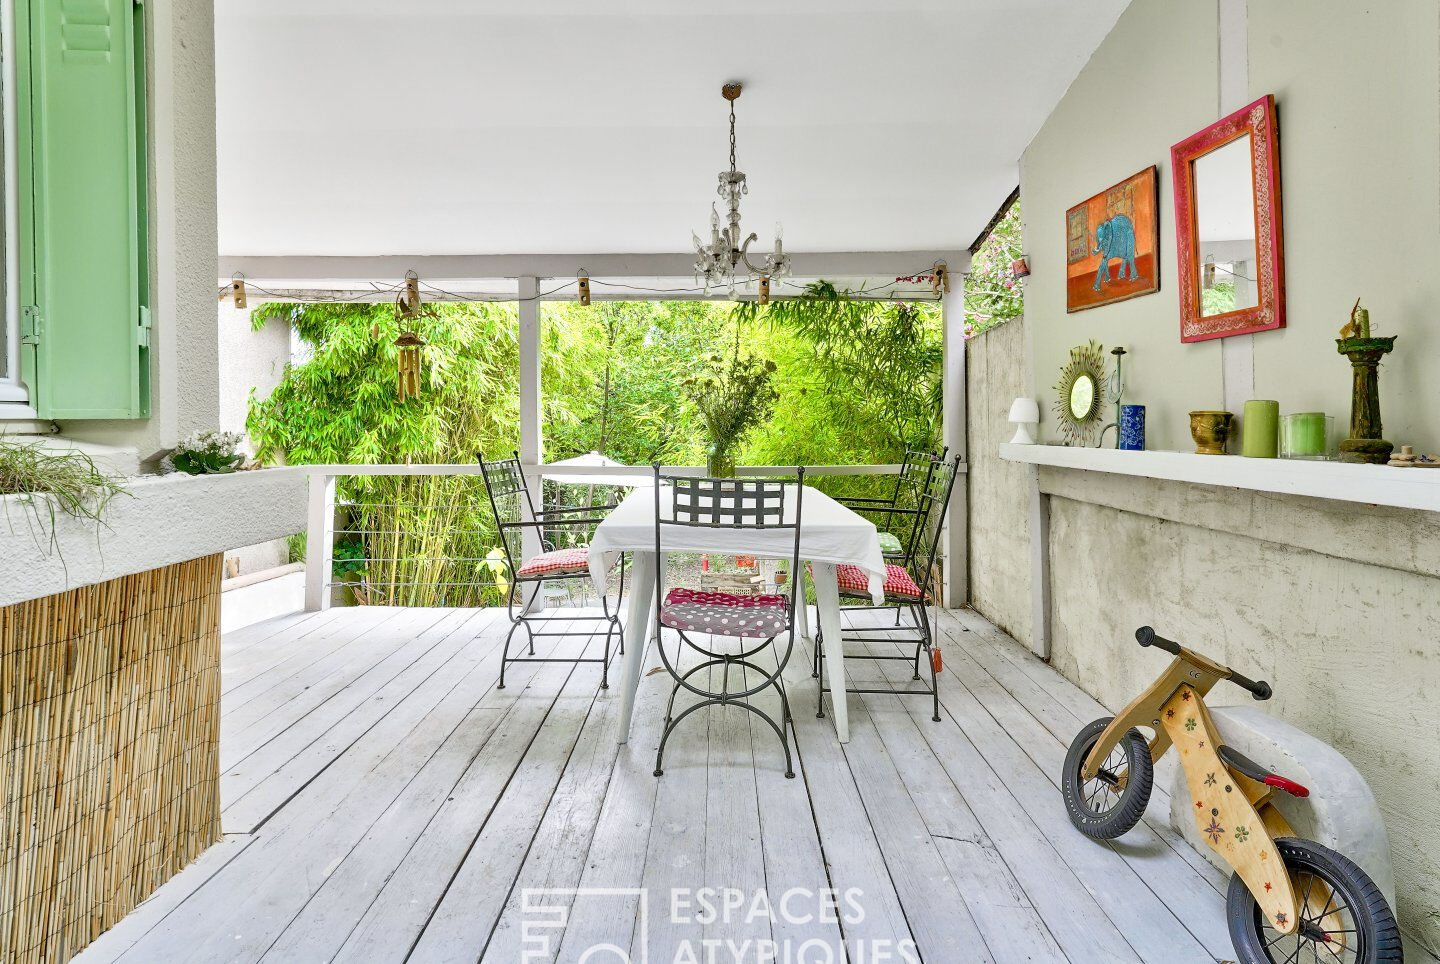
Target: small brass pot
<point x="1210" y="430"/>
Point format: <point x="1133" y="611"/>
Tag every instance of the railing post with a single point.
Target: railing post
<point x="319" y="541"/>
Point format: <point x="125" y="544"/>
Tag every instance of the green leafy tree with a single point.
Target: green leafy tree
<point x="992" y="295"/>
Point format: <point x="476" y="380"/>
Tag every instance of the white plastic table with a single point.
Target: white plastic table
<point x="829" y="534"/>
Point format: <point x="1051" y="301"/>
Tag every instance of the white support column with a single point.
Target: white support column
<point x="319" y="538"/>
<point x="957" y="526"/>
<point x="528" y="289"/>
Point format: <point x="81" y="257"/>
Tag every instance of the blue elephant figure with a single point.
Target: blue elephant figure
<point x="1115" y="238"/>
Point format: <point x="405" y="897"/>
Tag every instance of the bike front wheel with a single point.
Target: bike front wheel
<point x="1344" y="918"/>
<point x="1113" y="802"/>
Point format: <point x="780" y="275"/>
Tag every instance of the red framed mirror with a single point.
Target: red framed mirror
<point x="1227" y="226"/>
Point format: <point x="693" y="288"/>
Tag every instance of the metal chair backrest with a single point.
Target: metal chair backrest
<point x="511" y="503"/>
<point x="917" y="476"/>
<point x="929" y="523"/>
<point x="730" y="504"/>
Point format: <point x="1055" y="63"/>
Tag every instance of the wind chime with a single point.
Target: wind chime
<point x="408" y="309"/>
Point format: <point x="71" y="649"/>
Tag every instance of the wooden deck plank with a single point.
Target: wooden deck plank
<point x="1149" y="925"/>
<point x="314" y="639"/>
<point x="119" y="939"/>
<point x="401" y="907"/>
<point x="555" y="862"/>
<point x="852" y="850"/>
<point x="254" y="787"/>
<point x="250" y="725"/>
<point x="412" y="807"/>
<point x="461" y="924"/>
<point x="790" y="839"/>
<point x="615" y="859"/>
<point x="245" y="907"/>
<point x="1012" y="928"/>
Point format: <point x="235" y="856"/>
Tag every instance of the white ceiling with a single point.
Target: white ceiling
<point x="370" y="127"/>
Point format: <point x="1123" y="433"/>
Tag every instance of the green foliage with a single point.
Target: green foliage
<point x="992" y="295"/>
<point x="341" y="405"/>
<point x="733" y="398"/>
<point x="1218" y="298"/>
<point x="71" y="479"/>
<point x="207" y="453"/>
<point x="830" y="380"/>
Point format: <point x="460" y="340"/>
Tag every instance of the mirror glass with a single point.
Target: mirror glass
<point x="1225" y="228"/>
<point x="1082" y="396"/>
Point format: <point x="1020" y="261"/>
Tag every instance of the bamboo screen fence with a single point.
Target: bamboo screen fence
<point x="109" y="729"/>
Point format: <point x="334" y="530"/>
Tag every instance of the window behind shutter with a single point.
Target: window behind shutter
<point x="84" y="249"/>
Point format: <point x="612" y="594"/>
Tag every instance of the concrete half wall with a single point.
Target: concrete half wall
<point x="1337" y="604"/>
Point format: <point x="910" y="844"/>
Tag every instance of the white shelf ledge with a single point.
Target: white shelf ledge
<point x="1368" y="484"/>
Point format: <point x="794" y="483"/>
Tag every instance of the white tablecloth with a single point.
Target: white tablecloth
<point x="829" y="532"/>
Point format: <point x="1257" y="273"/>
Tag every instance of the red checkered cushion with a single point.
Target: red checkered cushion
<point x="854" y="581"/>
<point x="724" y="614"/>
<point x="558" y="561"/>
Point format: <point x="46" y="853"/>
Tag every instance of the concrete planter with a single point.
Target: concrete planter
<point x="161" y="521"/>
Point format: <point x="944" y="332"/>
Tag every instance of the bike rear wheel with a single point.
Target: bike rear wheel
<point x="1344" y="918"/>
<point x="1113" y="802"/>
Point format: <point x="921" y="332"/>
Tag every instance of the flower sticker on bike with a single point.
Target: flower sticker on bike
<point x="1190" y="724"/>
<point x="1209" y="779"/>
<point x="1242" y="834"/>
<point x="1215" y="831"/>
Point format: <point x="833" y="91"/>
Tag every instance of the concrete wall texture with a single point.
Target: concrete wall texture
<point x="999" y="491"/>
<point x="1338" y="605"/>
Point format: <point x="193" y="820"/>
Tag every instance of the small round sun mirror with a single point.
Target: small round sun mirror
<point x="1082" y="397"/>
<point x="1078" y="393"/>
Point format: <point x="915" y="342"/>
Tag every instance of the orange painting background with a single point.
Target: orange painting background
<point x="1135" y="197"/>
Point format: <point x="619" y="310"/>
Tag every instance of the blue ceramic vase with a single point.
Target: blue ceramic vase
<point x="1132" y="428"/>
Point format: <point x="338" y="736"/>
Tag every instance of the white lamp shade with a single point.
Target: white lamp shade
<point x="1024" y="412"/>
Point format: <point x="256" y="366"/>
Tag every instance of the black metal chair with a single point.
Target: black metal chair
<point x="515" y="512"/>
<point x="901" y="509"/>
<point x="909" y="587"/>
<point x="736" y="504"/>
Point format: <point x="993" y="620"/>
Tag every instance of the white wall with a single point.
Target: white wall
<point x="1337" y="604"/>
<point x="250" y="360"/>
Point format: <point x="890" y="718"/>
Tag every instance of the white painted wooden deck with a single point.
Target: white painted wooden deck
<point x="383" y="801"/>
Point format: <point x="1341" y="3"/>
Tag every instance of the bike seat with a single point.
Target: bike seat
<point x="1241" y="763"/>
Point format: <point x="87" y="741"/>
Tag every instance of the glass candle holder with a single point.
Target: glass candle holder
<point x="1306" y="435"/>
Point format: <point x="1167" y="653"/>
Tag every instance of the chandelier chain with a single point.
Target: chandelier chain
<point x="732" y="136"/>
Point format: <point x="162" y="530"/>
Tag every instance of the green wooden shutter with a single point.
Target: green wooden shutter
<point x="84" y="246"/>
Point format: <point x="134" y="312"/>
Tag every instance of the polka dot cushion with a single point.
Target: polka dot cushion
<point x="898" y="584"/>
<point x="890" y="544"/>
<point x="724" y="614"/>
<point x="558" y="561"/>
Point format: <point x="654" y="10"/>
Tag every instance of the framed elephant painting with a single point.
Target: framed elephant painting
<point x="1112" y="244"/>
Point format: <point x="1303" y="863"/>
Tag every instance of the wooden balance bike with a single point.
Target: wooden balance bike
<point x="1290" y="899"/>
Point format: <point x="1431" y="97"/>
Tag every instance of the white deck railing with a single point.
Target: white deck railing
<point x="320" y="529"/>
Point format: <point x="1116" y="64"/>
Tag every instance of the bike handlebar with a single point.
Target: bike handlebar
<point x="1146" y="636"/>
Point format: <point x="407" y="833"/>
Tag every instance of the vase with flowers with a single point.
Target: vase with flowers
<point x="732" y="398"/>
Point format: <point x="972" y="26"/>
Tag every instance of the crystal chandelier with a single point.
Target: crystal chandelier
<point x="720" y="262"/>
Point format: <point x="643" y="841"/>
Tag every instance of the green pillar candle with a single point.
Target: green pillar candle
<point x="1305" y="435"/>
<point x="1260" y="429"/>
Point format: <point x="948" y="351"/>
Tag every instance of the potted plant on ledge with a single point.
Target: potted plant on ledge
<point x="732" y="400"/>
